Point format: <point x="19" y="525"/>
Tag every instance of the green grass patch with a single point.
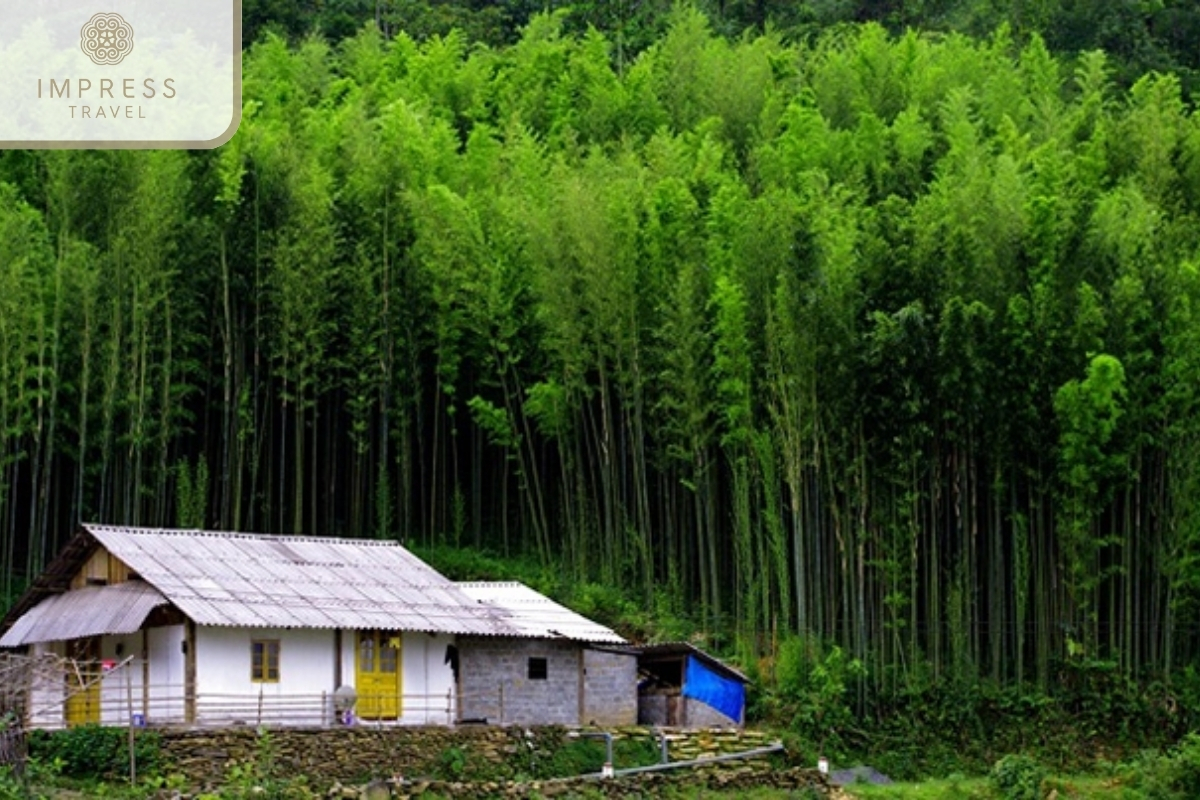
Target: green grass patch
<point x="953" y="788"/>
<point x="1084" y="787"/>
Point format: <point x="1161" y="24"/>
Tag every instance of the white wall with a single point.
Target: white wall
<point x="425" y="677"/>
<point x="166" y="689"/>
<point x="48" y="692"/>
<point x="121" y="686"/>
<point x="427" y="680"/>
<point x="226" y="693"/>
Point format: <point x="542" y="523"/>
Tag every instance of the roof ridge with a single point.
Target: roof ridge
<point x="211" y="534"/>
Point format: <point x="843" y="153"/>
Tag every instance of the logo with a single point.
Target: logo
<point x="74" y="78"/>
<point x="106" y="38"/>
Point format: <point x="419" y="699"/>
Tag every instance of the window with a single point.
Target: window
<point x="264" y="661"/>
<point x="537" y="669"/>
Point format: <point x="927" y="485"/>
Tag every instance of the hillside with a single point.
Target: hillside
<point x="862" y="351"/>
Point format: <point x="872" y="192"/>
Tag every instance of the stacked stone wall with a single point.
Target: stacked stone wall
<point x="794" y="782"/>
<point x="356" y="755"/>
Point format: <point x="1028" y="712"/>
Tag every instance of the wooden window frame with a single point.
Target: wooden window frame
<point x="263" y="675"/>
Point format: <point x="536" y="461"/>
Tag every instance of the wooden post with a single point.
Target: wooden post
<point x="501" y="703"/>
<point x="189" y="671"/>
<point x="129" y="721"/>
<point x="337" y="658"/>
<point x="260" y="702"/>
<point x="449" y="706"/>
<point x="145" y="656"/>
<point x="582" y="698"/>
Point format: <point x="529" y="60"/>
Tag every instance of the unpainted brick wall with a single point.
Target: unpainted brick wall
<point x="487" y="664"/>
<point x="609" y="688"/>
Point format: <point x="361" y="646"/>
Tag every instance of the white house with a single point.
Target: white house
<point x="197" y="627"/>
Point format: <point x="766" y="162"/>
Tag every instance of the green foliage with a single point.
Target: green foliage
<point x="452" y="763"/>
<point x="1173" y="775"/>
<point x="814" y="694"/>
<point x="191" y="495"/>
<point x="261" y="778"/>
<point x="870" y="354"/>
<point x="953" y="787"/>
<point x="11" y="787"/>
<point x="585" y="756"/>
<point x="95" y="752"/>
<point x="951" y="726"/>
<point x="1018" y="777"/>
<point x="609" y="605"/>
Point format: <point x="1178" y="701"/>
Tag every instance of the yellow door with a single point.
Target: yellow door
<point x="377" y="674"/>
<point x="83" y="682"/>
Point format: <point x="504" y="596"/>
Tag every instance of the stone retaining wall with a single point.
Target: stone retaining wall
<point x="360" y="754"/>
<point x="793" y="780"/>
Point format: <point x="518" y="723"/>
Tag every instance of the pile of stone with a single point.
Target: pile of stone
<point x="691" y="745"/>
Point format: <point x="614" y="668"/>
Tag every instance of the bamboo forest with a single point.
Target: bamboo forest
<point x="873" y="337"/>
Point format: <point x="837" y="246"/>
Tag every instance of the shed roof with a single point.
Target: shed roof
<point x="92" y="611"/>
<point x="665" y="650"/>
<point x="537" y="616"/>
<point x="259" y="580"/>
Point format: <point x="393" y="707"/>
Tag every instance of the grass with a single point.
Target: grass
<point x="954" y="788"/>
<point x="957" y="788"/>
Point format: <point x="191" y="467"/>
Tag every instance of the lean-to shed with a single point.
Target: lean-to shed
<point x="683" y="686"/>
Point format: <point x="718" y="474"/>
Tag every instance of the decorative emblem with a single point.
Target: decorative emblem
<point x="106" y="38"/>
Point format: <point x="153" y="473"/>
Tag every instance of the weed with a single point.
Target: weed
<point x="452" y="764"/>
<point x="1018" y="777"/>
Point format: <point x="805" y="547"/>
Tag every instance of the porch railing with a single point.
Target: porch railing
<point x="61" y="693"/>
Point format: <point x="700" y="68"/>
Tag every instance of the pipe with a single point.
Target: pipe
<point x="699" y="762"/>
<point x="607" y="770"/>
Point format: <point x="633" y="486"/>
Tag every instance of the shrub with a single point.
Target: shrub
<point x="1171" y="776"/>
<point x="1018" y="777"/>
<point x="95" y="752"/>
<point x="10" y="785"/>
<point x="1183" y="767"/>
<point x="452" y="764"/>
<point x="814" y="693"/>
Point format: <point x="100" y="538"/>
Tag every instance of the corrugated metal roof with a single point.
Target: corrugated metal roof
<point x="257" y="580"/>
<point x="651" y="652"/>
<point x="91" y="611"/>
<point x="537" y="616"/>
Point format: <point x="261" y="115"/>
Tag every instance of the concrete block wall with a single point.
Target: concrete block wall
<point x="487" y="664"/>
<point x="609" y="688"/>
<point x="701" y="715"/>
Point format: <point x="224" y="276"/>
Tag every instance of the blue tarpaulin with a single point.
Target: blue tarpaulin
<point x="725" y="695"/>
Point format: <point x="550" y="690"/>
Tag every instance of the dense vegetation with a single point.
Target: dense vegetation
<point x="1140" y="35"/>
<point x="888" y="342"/>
